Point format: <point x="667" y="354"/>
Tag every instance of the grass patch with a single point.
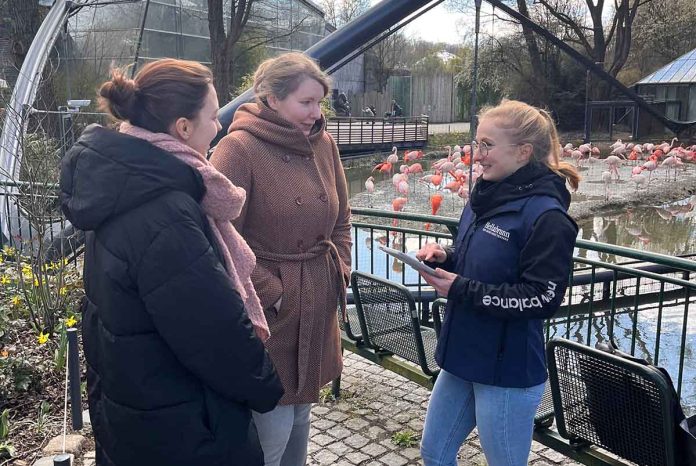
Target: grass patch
<point x="405" y="438"/>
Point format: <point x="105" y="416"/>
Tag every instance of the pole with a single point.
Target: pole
<point x="587" y="107"/>
<point x="474" y="79"/>
<point x="140" y="40"/>
<point x="74" y="375"/>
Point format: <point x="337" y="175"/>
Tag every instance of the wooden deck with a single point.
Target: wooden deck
<point x="363" y="135"/>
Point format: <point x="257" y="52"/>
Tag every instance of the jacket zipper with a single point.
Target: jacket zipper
<point x="501" y="352"/>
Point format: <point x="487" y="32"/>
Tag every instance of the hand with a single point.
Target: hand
<point x="432" y="252"/>
<point x="442" y="282"/>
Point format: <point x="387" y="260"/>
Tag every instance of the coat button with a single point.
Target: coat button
<point x="286" y="158"/>
<point x="300" y="245"/>
<point x="320" y="238"/>
<point x="298" y="200"/>
<point x="308" y="158"/>
<point x="323" y="198"/>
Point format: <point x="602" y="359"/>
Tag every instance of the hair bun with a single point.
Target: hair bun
<point x="118" y="96"/>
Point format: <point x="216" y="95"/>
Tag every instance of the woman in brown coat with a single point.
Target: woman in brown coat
<point x="297" y="221"/>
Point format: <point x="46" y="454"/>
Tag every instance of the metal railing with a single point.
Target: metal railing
<point x="643" y="301"/>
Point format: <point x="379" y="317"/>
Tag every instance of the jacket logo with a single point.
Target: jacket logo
<point x="522" y="303"/>
<point x="495" y="230"/>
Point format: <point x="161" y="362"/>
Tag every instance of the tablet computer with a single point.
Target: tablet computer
<point x="410" y="260"/>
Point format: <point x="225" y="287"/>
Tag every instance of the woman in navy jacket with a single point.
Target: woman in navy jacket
<point x="507" y="272"/>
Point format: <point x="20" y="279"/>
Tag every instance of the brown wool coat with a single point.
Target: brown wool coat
<point x="297" y="221"/>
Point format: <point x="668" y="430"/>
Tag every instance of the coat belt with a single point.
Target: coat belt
<point x="295" y="261"/>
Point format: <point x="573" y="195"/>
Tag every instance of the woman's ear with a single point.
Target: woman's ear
<point x="526" y="152"/>
<point x="272" y="101"/>
<point x="182" y="129"/>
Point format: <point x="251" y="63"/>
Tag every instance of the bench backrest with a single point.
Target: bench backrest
<point x="617" y="404"/>
<point x="389" y="318"/>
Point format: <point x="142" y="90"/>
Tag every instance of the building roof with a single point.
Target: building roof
<point x="682" y="70"/>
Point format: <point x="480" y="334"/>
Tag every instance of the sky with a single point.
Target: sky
<point x="443" y="25"/>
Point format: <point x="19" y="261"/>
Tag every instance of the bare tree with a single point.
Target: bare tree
<point x="387" y="56"/>
<point x="230" y="42"/>
<point x="604" y="33"/>
<point x="340" y="12"/>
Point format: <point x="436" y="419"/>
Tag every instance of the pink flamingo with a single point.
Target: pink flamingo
<point x="613" y="163"/>
<point x="370" y="187"/>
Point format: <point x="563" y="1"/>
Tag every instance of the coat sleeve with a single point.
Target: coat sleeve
<point x="545" y="265"/>
<point x="231" y="159"/>
<point x="201" y="317"/>
<point x="341" y="236"/>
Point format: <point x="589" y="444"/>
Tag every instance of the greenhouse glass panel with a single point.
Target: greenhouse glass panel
<point x="195" y="23"/>
<point x="159" y="44"/>
<point x="162" y="18"/>
<point x="196" y="48"/>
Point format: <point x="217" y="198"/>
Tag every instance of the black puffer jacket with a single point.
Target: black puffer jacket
<point x="174" y="366"/>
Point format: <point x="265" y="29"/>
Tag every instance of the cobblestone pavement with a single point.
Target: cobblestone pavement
<point x="376" y="407"/>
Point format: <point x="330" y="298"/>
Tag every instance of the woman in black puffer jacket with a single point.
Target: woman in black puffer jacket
<point x="174" y="362"/>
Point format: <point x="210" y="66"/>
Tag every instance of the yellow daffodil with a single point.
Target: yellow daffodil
<point x="43" y="338"/>
<point x="26" y="270"/>
<point x="16" y="300"/>
<point x="5" y="280"/>
<point x="63" y="291"/>
<point x="36" y="281"/>
<point x="8" y="250"/>
<point x="70" y="321"/>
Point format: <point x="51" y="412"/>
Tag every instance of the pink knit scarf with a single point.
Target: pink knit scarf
<point x="222" y="203"/>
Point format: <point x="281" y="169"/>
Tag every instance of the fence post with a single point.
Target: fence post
<point x="74" y="376"/>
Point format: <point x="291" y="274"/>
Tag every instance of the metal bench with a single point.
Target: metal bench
<point x="617" y="404"/>
<point x="389" y="321"/>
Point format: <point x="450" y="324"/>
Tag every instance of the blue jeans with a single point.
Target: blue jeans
<point x="284" y="434"/>
<point x="504" y="417"/>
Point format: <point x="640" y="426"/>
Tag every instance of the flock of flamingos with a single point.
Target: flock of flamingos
<point x="452" y="172"/>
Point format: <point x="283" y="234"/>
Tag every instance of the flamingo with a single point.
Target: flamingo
<point x="398" y="205"/>
<point x="393" y="157"/>
<point x="640" y="180"/>
<point x="650" y="165"/>
<point x="370" y="187"/>
<point x="613" y="163"/>
<point x="606" y="179"/>
<point x="436" y="179"/>
<point x="403" y="187"/>
<point x="673" y="162"/>
<point x="435" y="202"/>
<point x="384" y="167"/>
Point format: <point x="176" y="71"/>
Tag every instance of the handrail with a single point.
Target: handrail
<point x="452" y="224"/>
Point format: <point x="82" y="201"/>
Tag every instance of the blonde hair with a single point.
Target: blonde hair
<point x="283" y="74"/>
<point x="536" y="127"/>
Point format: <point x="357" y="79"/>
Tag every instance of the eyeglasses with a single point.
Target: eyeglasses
<point x="483" y="147"/>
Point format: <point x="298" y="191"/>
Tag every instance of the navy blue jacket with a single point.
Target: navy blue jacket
<point x="173" y="364"/>
<point x="513" y="255"/>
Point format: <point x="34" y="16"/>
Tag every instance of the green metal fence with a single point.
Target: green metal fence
<point x="640" y="299"/>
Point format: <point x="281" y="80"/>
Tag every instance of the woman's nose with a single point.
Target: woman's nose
<point x="316" y="111"/>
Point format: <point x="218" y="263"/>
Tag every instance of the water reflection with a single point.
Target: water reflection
<point x="667" y="229"/>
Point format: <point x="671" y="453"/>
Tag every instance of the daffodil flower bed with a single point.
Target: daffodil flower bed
<point x="38" y="303"/>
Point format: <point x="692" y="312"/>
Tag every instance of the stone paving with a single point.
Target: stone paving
<point x="376" y="408"/>
<point x="377" y="421"/>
